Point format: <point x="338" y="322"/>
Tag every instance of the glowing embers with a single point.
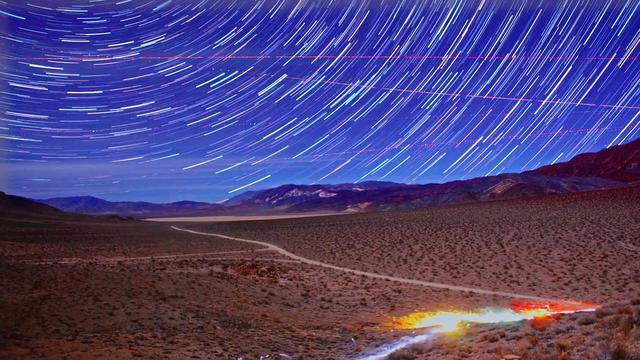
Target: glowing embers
<point x="558" y="307"/>
<point x="448" y="321"/>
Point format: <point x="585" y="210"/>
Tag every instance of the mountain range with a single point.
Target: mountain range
<point x="612" y="167"/>
<point x="17" y="206"/>
<point x="139" y="209"/>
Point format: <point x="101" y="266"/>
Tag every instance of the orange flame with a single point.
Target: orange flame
<point x="449" y="321"/>
<point x="552" y="307"/>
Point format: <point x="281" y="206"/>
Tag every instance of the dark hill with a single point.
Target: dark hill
<point x="621" y="162"/>
<point x="19" y="206"/>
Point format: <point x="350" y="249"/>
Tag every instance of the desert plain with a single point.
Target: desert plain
<point x="80" y="287"/>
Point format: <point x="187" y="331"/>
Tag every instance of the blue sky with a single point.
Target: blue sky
<point x="200" y="100"/>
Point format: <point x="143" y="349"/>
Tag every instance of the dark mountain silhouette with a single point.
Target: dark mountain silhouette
<point x="291" y="194"/>
<point x="16" y="208"/>
<point x="139" y="209"/>
<point x="621" y="162"/>
<point x="612" y="167"/>
<point x="607" y="168"/>
<point x="303" y="198"/>
<point x="11" y="205"/>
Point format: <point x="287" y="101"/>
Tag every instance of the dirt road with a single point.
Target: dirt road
<point x="370" y="274"/>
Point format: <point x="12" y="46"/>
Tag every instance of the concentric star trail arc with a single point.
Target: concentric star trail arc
<point x="185" y="99"/>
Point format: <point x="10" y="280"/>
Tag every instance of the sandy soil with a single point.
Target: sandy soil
<point x="577" y="246"/>
<point x="134" y="289"/>
<point x="122" y="289"/>
<point x="368" y="274"/>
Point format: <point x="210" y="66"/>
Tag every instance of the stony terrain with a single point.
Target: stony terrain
<point x="581" y="246"/>
<point x="122" y="289"/>
<point x="79" y="287"/>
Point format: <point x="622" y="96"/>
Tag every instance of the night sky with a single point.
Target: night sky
<point x="171" y="100"/>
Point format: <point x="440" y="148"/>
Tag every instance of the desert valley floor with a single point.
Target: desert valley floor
<point x="80" y="287"/>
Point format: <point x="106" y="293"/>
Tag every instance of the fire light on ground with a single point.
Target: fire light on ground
<point x="448" y="321"/>
<point x="433" y="323"/>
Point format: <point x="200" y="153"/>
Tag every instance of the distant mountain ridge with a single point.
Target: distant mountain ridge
<point x="11" y="205"/>
<point x="620" y="162"/>
<point x="292" y="194"/>
<point x="95" y="206"/>
<point x="611" y="167"/>
<point x="304" y="198"/>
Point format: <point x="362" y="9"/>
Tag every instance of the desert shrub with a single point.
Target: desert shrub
<point x="603" y="312"/>
<point x="540" y="354"/>
<point x="490" y="337"/>
<point x="542" y="323"/>
<point x="586" y="321"/>
<point x="625" y="311"/>
<point x="625" y="328"/>
<point x="620" y="352"/>
<point x="563" y="346"/>
<point x="403" y="354"/>
<point x="611" y="322"/>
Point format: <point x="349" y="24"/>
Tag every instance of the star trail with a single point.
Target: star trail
<point x="177" y="99"/>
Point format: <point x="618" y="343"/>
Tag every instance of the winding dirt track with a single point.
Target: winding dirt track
<point x="370" y="274"/>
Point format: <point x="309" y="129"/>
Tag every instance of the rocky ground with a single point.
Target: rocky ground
<point x="122" y="289"/>
<point x="581" y="246"/>
<point x="114" y="288"/>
